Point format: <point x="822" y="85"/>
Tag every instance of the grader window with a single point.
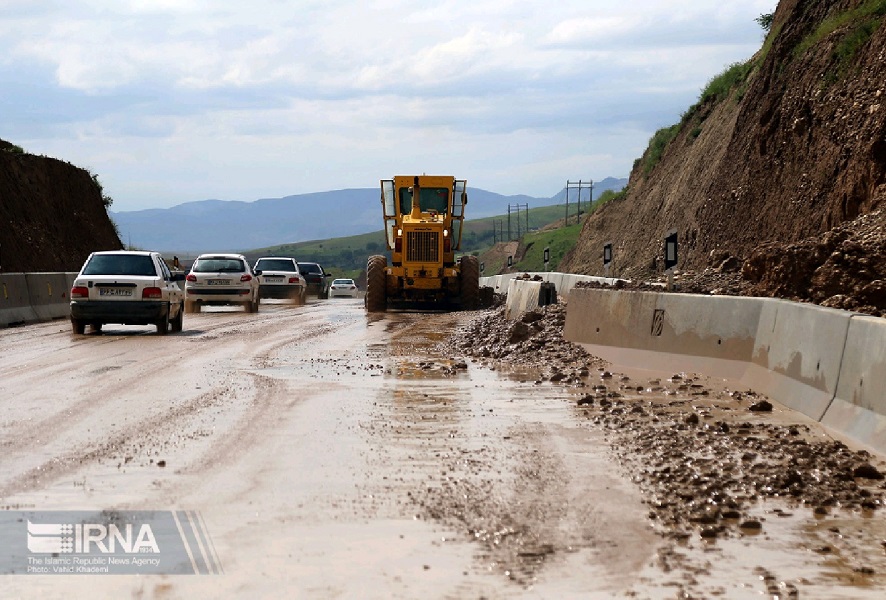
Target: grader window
<point x="432" y="199"/>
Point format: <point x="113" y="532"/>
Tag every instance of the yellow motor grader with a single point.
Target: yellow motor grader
<point x="423" y="216"/>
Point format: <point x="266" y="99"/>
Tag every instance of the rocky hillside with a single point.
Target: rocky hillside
<point x="52" y="214"/>
<point x="778" y="151"/>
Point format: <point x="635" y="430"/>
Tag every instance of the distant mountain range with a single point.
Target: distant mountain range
<point x="219" y="225"/>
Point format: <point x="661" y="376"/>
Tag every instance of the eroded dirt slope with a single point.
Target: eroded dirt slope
<point x="797" y="150"/>
<point x="51" y="214"/>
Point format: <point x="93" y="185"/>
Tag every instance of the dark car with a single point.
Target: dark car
<point x="317" y="278"/>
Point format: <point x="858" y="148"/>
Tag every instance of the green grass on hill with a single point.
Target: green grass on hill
<point x="560" y="241"/>
<point x="529" y="256"/>
<point x="346" y="256"/>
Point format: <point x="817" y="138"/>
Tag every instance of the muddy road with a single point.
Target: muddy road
<point x="331" y="454"/>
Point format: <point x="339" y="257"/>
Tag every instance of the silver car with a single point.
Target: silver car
<point x="221" y="280"/>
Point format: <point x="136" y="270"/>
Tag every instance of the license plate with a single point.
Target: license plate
<point x="274" y="279"/>
<point x="114" y="292"/>
<point x="218" y="282"/>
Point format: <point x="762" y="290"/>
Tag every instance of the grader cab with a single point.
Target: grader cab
<point x="423" y="217"/>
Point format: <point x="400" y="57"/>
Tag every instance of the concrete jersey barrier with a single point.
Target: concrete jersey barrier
<point x="827" y="364"/>
<point x="563" y="282"/>
<point x="857" y="408"/>
<point x="49" y="295"/>
<point x="32" y="297"/>
<point x="15" y="302"/>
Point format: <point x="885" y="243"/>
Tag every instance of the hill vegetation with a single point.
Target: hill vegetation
<point x="347" y="255"/>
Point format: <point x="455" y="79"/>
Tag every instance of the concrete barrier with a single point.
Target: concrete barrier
<point x="49" y="295"/>
<point x="859" y="407"/>
<point x="528" y="295"/>
<point x="564" y="282"/>
<point x="15" y="303"/>
<point x="827" y="364"/>
<point x="657" y="331"/>
<point x="31" y="297"/>
<point x="797" y="354"/>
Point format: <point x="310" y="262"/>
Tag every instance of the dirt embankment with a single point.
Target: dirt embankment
<point x="794" y="152"/>
<point x="51" y="214"/>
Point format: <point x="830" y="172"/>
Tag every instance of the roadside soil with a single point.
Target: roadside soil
<point x="844" y="268"/>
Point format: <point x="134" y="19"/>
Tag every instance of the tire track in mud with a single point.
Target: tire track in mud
<point x="141" y="439"/>
<point x="493" y="475"/>
<point x="172" y="421"/>
<point x="515" y="518"/>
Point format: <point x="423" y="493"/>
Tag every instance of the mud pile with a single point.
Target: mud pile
<point x="535" y="340"/>
<point x="843" y="268"/>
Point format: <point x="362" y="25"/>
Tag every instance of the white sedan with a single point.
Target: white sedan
<point x="343" y="287"/>
<point x="128" y="287"/>
<point x="221" y="280"/>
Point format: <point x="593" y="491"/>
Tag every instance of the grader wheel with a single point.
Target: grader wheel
<point x="376" y="285"/>
<point x="470" y="282"/>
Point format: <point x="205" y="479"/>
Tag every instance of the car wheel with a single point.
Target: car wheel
<point x="256" y="305"/>
<point x="163" y="324"/>
<point x="78" y="326"/>
<point x="179" y="321"/>
<point x="97" y="327"/>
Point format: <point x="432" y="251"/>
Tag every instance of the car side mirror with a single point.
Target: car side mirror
<point x="178" y="276"/>
<point x="257" y="273"/>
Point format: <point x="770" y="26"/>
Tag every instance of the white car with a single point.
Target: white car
<point x="280" y="279"/>
<point x="221" y="280"/>
<point x="126" y="287"/>
<point x="343" y="287"/>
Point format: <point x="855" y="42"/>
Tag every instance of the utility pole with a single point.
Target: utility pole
<point x="517" y="208"/>
<point x="498" y="226"/>
<point x="578" y="185"/>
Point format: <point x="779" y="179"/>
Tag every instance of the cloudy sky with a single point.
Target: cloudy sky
<point x="170" y="101"/>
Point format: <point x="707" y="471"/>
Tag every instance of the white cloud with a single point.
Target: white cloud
<point x="176" y="100"/>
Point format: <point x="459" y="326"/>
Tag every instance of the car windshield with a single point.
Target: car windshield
<point x="120" y="264"/>
<point x="275" y="264"/>
<point x="308" y="268"/>
<point x="343" y="282"/>
<point x="218" y="265"/>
